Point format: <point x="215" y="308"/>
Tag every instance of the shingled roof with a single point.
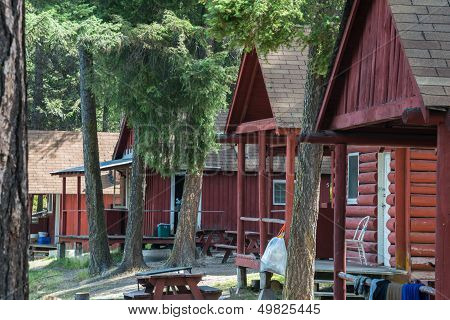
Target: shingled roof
<point x="424" y="28"/>
<point x="285" y="74"/>
<point x="55" y="150"/>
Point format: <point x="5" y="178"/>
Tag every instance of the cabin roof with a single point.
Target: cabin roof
<point x="421" y="39"/>
<point x="424" y="30"/>
<point x="285" y="74"/>
<point x="55" y="150"/>
<point x="278" y="85"/>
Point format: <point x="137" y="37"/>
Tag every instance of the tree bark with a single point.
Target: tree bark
<point x="302" y="242"/>
<point x="100" y="257"/>
<point x="184" y="251"/>
<point x="14" y="220"/>
<point x="132" y="256"/>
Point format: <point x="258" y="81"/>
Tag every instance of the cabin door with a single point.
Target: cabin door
<point x="384" y="168"/>
<point x="177" y="186"/>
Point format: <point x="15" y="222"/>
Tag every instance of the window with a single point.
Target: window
<point x="279" y="192"/>
<point x="121" y="188"/>
<point x="352" y="178"/>
<point x="50" y="203"/>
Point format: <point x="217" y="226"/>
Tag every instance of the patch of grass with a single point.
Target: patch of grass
<point x="116" y="256"/>
<point x="44" y="281"/>
<point x="70" y="263"/>
<point x="82" y="275"/>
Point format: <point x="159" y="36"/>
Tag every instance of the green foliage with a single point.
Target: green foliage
<point x="172" y="84"/>
<point x="268" y="24"/>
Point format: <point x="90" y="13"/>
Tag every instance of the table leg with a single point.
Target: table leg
<point x="159" y="289"/>
<point x="207" y="245"/>
<point x="194" y="289"/>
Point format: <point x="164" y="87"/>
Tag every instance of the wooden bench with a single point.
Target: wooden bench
<point x="138" y="295"/>
<point x="228" y="250"/>
<point x="210" y="293"/>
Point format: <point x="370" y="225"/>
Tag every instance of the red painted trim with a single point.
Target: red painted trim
<point x="290" y="181"/>
<point x="123" y="127"/>
<point x="336" y="65"/>
<point x="78" y="226"/>
<point x="258" y="125"/>
<point x="340" y="203"/>
<point x="373" y="115"/>
<point x="244" y="59"/>
<point x="249" y="91"/>
<point x="262" y="190"/>
<point x="240" y="197"/>
<point x="443" y="212"/>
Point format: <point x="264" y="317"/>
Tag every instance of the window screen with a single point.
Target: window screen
<point x="353" y="171"/>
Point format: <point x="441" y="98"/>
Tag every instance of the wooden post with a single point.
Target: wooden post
<point x="443" y="212"/>
<point x="61" y="250"/>
<point x="63" y="208"/>
<point x="340" y="202"/>
<point x="400" y="209"/>
<point x="262" y="191"/>
<point x="290" y="180"/>
<point x="78" y="249"/>
<point x="241" y="271"/>
<point x="79" y="205"/>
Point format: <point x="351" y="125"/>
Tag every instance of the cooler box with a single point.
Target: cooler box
<point x="163" y="230"/>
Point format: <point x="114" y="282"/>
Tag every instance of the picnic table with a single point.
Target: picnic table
<point x="165" y="284"/>
<point x="35" y="248"/>
<point x="210" y="237"/>
<point x="251" y="244"/>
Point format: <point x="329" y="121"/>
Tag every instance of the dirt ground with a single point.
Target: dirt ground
<point x="67" y="282"/>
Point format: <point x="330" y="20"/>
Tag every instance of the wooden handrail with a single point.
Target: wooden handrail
<point x="368" y="282"/>
<point x="250" y="219"/>
<point x="277" y="221"/>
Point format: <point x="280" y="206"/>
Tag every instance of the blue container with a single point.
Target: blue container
<point x="44" y="240"/>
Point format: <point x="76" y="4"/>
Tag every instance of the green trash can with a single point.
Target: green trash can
<point x="163" y="230"/>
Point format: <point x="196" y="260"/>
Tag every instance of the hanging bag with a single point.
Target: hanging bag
<point x="274" y="258"/>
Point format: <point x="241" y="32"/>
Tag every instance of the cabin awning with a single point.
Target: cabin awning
<point x="106" y="165"/>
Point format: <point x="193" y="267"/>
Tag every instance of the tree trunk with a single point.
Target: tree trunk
<point x="184" y="251"/>
<point x="302" y="242"/>
<point x="100" y="257"/>
<point x="105" y="119"/>
<point x="14" y="220"/>
<point x="36" y="122"/>
<point x="132" y="256"/>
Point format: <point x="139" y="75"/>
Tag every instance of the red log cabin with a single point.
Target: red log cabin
<point x="53" y="150"/>
<point x="386" y="114"/>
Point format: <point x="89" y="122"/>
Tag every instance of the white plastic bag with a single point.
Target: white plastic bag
<point x="274" y="258"/>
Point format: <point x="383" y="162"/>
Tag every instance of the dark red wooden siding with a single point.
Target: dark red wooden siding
<point x="374" y="71"/>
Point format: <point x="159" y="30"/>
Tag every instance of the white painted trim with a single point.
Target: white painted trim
<point x="172" y="203"/>
<point x="57" y="212"/>
<point x="352" y="200"/>
<point x="199" y="213"/>
<point x="383" y="255"/>
<point x="273" y="192"/>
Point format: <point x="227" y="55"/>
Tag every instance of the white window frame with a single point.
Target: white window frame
<point x="352" y="200"/>
<point x="127" y="191"/>
<point x="50" y="203"/>
<point x="275" y="181"/>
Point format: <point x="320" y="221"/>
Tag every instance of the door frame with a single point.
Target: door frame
<point x="384" y="168"/>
